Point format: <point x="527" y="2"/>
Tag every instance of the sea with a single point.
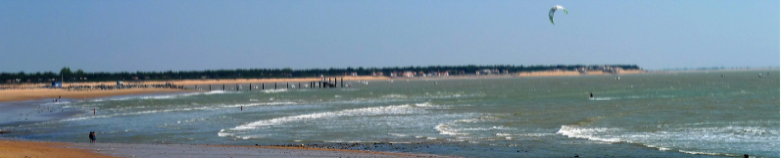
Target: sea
<point x="664" y="114"/>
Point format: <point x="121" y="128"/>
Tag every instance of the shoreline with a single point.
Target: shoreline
<point x="30" y="148"/>
<point x="191" y="82"/>
<point x="32" y="91"/>
<point x="40" y="94"/>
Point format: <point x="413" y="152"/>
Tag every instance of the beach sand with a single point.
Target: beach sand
<point x="36" y="94"/>
<point x="17" y="148"/>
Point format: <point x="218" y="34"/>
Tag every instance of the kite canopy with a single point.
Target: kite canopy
<point x="552" y="12"/>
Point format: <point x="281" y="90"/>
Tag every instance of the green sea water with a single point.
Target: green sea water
<point x="698" y="114"/>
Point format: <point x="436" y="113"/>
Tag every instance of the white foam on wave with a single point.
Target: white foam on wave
<point x="707" y="153"/>
<point x="454" y="128"/>
<point x="604" y="98"/>
<point x="394" y="96"/>
<point x="586" y="133"/>
<point x="158" y="97"/>
<point x="275" y="90"/>
<point x="212" y="107"/>
<point x="445" y="129"/>
<point x="697" y="140"/>
<point x="632" y="97"/>
<point x="525" y="134"/>
<point x="369" y="111"/>
<point x="397" y="134"/>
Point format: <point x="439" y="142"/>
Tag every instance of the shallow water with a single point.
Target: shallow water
<point x="668" y="115"/>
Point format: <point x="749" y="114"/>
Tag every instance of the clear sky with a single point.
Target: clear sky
<point x="154" y="35"/>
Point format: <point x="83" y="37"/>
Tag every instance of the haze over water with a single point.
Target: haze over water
<point x="670" y="114"/>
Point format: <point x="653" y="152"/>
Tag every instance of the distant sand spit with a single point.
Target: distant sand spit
<point x="22" y="92"/>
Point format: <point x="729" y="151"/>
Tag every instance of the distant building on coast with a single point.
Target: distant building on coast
<point x="408" y="74"/>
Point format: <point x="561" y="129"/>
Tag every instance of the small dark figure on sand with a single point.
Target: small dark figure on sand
<point x="92" y="137"/>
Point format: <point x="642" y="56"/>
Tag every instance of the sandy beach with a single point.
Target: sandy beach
<point x="17" y="148"/>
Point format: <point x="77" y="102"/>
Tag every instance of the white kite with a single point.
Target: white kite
<point x="552" y="12"/>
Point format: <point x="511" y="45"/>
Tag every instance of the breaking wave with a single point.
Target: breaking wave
<point x="721" y="140"/>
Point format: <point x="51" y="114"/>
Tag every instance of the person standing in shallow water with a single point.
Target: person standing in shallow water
<point x="92" y="137"/>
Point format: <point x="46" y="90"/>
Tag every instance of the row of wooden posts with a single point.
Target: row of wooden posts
<point x="313" y="84"/>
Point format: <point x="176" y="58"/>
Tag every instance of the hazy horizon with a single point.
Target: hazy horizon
<point x="74" y="69"/>
<point x="114" y="36"/>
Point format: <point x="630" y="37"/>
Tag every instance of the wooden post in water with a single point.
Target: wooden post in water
<point x="276" y="85"/>
<point x="238" y="87"/>
<point x="210" y="87"/>
<point x="250" y="86"/>
<point x="262" y="86"/>
<point x="224" y="87"/>
<point x="287" y="85"/>
<point x="341" y="82"/>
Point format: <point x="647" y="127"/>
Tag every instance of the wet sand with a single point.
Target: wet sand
<point x="209" y="151"/>
<point x="17" y="148"/>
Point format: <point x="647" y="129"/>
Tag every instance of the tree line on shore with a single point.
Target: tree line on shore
<point x="81" y="76"/>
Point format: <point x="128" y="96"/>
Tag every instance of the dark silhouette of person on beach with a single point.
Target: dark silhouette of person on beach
<point x="591" y="95"/>
<point x="92" y="137"/>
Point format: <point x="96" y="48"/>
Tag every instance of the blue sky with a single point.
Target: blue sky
<point x="144" y="35"/>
